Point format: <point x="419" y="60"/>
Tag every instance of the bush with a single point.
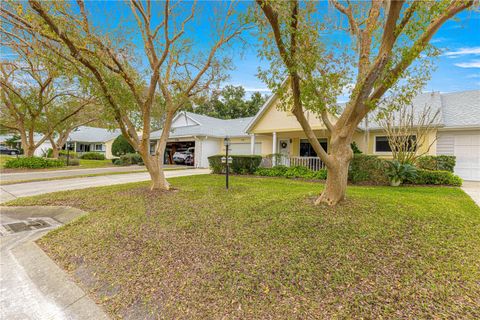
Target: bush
<point x="121" y="146"/>
<point x="367" y="168"/>
<point x="241" y="164"/>
<point x="33" y="163"/>
<point x="442" y="163"/>
<point x="62" y="154"/>
<point x="399" y="172"/>
<point x="128" y="159"/>
<point x="93" y="156"/>
<point x="71" y="161"/>
<point x="436" y="177"/>
<point x="292" y="172"/>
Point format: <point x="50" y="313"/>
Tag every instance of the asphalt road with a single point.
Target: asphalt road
<point x="13" y="191"/>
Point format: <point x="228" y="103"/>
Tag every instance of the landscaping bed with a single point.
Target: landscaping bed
<point x="262" y="250"/>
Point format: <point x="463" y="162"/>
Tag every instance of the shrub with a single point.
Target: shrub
<point x="62" y="154"/>
<point x="71" y="161"/>
<point x="436" y="177"/>
<point x="443" y="163"/>
<point x="93" y="156"/>
<point x="292" y="172"/>
<point x="129" y="159"/>
<point x="121" y="146"/>
<point x="277" y="171"/>
<point x="33" y="163"/>
<point x="355" y="148"/>
<point x="398" y="172"/>
<point x="241" y="164"/>
<point x="367" y="168"/>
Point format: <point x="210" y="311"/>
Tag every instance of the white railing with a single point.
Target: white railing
<point x="312" y="163"/>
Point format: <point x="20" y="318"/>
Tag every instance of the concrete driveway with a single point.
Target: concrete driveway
<point x="472" y="188"/>
<point x="13" y="191"/>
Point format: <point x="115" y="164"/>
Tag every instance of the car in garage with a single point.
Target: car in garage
<point x="180" y="156"/>
<point x="10" y="151"/>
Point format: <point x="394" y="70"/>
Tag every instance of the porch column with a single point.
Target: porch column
<point x="274" y="148"/>
<point x="252" y="144"/>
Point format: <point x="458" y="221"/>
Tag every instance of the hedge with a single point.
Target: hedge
<point x="367" y="168"/>
<point x="436" y="177"/>
<point x="128" y="159"/>
<point x="62" y="154"/>
<point x="93" y="156"/>
<point x="33" y="163"/>
<point x="292" y="172"/>
<point x="121" y="146"/>
<point x="241" y="164"/>
<point x="442" y="163"/>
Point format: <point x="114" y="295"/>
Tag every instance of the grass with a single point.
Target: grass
<point x="84" y="163"/>
<point x="263" y="251"/>
<point x="4" y="158"/>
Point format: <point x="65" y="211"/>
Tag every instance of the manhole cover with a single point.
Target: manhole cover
<point x="26" y="225"/>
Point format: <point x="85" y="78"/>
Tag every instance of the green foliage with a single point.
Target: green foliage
<point x="121" y="146"/>
<point x="71" y="161"/>
<point x="12" y="142"/>
<point x="355" y="148"/>
<point x="33" y="163"/>
<point x="241" y="164"/>
<point x="367" y="168"/>
<point x="436" y="177"/>
<point x="93" y="156"/>
<point x="128" y="159"/>
<point x="444" y="163"/>
<point x="292" y="172"/>
<point x="398" y="172"/>
<point x="62" y="154"/>
<point x="231" y="104"/>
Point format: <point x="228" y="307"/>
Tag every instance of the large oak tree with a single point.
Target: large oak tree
<point x="386" y="39"/>
<point x="161" y="76"/>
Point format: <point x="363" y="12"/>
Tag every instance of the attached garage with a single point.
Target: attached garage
<point x="465" y="146"/>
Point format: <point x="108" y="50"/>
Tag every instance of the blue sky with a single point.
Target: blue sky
<point x="457" y="69"/>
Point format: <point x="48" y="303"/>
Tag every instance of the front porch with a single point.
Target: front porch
<point x="289" y="149"/>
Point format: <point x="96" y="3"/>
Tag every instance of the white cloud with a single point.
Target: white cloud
<point x="470" y="64"/>
<point x="463" y="52"/>
<point x="474" y="75"/>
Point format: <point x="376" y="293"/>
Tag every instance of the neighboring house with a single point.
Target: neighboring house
<point x="89" y="139"/>
<point x="39" y="152"/>
<point x="457" y="132"/>
<point x="206" y="135"/>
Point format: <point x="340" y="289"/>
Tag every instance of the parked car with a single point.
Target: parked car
<point x="190" y="160"/>
<point x="180" y="156"/>
<point x="7" y="150"/>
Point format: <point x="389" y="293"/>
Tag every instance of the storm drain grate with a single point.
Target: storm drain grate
<point x="26" y="226"/>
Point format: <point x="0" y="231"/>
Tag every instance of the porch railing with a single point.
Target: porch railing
<point x="312" y="163"/>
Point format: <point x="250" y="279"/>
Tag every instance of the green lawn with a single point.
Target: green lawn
<point x="263" y="251"/>
<point x="94" y="163"/>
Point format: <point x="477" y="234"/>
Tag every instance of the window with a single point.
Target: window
<point x="306" y="149"/>
<point x="98" y="147"/>
<point x="382" y="145"/>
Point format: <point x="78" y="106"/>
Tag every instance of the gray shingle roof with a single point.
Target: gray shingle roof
<point x="91" y="134"/>
<point x="461" y="109"/>
<point x="208" y="127"/>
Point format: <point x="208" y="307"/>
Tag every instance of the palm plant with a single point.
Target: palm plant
<point x="398" y="172"/>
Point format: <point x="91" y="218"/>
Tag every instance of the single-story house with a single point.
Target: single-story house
<point x="39" y="152"/>
<point x="90" y="139"/>
<point x="456" y="133"/>
<point x="206" y="135"/>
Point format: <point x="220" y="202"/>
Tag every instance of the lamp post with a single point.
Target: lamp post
<point x="226" y="143"/>
<point x="69" y="142"/>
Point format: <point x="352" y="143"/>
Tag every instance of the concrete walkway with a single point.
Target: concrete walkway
<point x="48" y="174"/>
<point x="32" y="286"/>
<point x="13" y="191"/>
<point x="472" y="188"/>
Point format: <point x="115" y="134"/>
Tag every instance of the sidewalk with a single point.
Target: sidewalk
<point x="32" y="286"/>
<point x="13" y="191"/>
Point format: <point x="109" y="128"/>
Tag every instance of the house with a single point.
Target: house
<point x="39" y="152"/>
<point x="456" y="133"/>
<point x="90" y="139"/>
<point x="206" y="135"/>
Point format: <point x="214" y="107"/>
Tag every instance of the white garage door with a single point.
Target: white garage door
<point x="466" y="148"/>
<point x="244" y="148"/>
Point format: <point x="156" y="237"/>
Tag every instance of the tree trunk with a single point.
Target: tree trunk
<point x="157" y="174"/>
<point x="55" y="151"/>
<point x="337" y="173"/>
